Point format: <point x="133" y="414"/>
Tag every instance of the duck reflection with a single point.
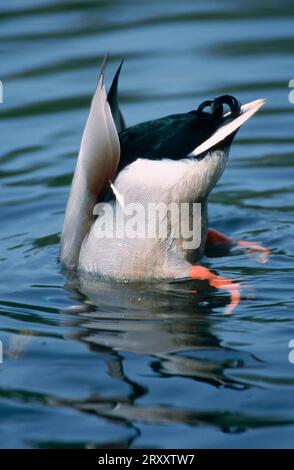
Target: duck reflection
<point x="167" y="324"/>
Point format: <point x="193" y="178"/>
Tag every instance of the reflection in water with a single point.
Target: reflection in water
<point x="166" y="324"/>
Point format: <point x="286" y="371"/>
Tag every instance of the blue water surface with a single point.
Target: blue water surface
<point x="136" y="365"/>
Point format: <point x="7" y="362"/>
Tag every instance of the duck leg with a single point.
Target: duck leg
<point x="215" y="238"/>
<point x="218" y="282"/>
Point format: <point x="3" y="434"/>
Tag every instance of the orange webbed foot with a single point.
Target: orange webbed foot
<point x="218" y="282"/>
<point x="253" y="248"/>
<point x="215" y="238"/>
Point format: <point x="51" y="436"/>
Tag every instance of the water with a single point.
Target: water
<point x="141" y="366"/>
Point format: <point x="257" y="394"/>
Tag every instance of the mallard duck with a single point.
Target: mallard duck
<point x="174" y="159"/>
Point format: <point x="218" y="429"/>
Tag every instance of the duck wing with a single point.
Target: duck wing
<point x="100" y="149"/>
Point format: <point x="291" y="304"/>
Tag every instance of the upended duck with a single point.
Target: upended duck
<point x="174" y="159"/>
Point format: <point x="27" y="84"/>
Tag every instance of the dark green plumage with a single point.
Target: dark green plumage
<point x="173" y="137"/>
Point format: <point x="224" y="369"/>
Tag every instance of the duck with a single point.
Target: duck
<point x="174" y="160"/>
